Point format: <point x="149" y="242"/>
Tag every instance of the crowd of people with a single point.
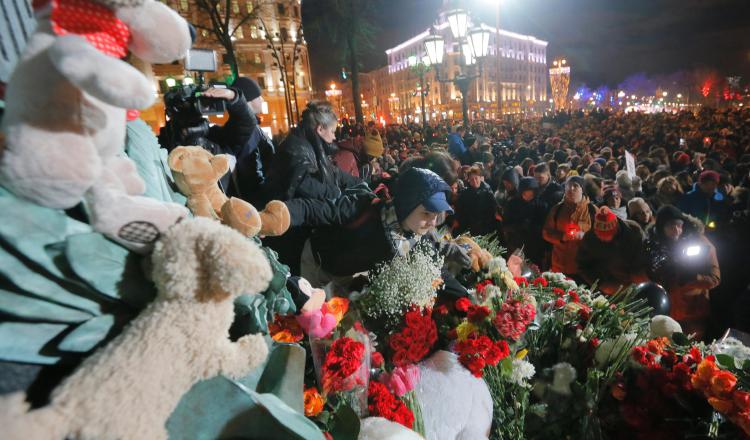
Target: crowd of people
<point x="560" y="189"/>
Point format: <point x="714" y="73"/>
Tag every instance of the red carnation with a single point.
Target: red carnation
<point x="483" y="285"/>
<point x="478" y="351"/>
<point x="513" y="317"/>
<point x="376" y="359"/>
<point x="415" y="340"/>
<point x="381" y="403"/>
<point x="478" y="313"/>
<point x="540" y="281"/>
<point x="463" y="304"/>
<point x="521" y="281"/>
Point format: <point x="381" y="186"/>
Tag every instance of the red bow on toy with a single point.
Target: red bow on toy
<point x="94" y="22"/>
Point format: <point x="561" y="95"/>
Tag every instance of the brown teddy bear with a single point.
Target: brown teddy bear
<point x="479" y="257"/>
<point x="196" y="173"/>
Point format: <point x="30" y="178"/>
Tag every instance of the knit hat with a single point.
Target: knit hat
<point x="601" y="161"/>
<point x="709" y="176"/>
<point x="682" y="159"/>
<point x="605" y="224"/>
<point x="249" y="88"/>
<point x="575" y="179"/>
<point x="527" y="184"/>
<point x="418" y="186"/>
<point x="667" y="214"/>
<point x="374" y="144"/>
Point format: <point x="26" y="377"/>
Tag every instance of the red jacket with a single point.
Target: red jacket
<point x="348" y="154"/>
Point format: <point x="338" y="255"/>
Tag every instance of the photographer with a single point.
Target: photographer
<point x="684" y="261"/>
<point x="242" y="137"/>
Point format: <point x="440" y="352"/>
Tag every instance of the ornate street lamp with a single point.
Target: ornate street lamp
<point x="435" y="46"/>
<point x="458" y="20"/>
<point x="479" y="40"/>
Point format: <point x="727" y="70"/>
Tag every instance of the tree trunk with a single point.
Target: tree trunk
<point x="354" y="65"/>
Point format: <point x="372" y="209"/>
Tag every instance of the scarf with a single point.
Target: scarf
<point x="401" y="241"/>
<point x="580" y="215"/>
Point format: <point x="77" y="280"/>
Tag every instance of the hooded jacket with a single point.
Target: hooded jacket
<point x="687" y="278"/>
<point x="703" y="206"/>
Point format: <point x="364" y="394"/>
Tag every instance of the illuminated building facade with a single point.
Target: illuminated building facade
<point x="254" y="58"/>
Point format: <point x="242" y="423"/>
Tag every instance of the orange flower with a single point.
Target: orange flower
<point x="313" y="402"/>
<point x="742" y="400"/>
<point x="657" y="345"/>
<point x="703" y="374"/>
<point x="337" y="307"/>
<point x="722" y="383"/>
<point x="285" y="329"/>
<point x="724" y="406"/>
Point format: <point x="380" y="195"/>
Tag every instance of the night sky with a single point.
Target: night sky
<point x="604" y="41"/>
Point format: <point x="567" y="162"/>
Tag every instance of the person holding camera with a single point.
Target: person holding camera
<point x="684" y="261"/>
<point x="243" y="138"/>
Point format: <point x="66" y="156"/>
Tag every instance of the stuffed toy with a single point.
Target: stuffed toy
<point x="196" y="173"/>
<point x="65" y="108"/>
<point x="479" y="257"/>
<point x="378" y="428"/>
<point x="128" y="388"/>
<point x="455" y="404"/>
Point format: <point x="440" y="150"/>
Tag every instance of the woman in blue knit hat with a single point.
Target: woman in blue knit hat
<point x="389" y="228"/>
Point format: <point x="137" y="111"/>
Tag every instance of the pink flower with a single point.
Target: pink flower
<point x="402" y="379"/>
<point x="317" y="324"/>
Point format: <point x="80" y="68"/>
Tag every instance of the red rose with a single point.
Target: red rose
<point x="415" y="340"/>
<point x="342" y="360"/>
<point x="574" y="296"/>
<point x="483" y="285"/>
<point x="463" y="304"/>
<point x="594" y="342"/>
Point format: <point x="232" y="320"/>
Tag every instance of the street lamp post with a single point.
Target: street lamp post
<point x="474" y="47"/>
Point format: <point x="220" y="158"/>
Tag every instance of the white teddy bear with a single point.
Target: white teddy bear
<point x="65" y="113"/>
<point x="455" y="404"/>
<point x="128" y="389"/>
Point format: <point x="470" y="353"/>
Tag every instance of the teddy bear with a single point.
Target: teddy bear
<point x="129" y="388"/>
<point x="196" y="172"/>
<point x="65" y="112"/>
<point x="479" y="257"/>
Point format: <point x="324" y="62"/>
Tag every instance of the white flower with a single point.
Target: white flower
<point x="491" y="291"/>
<point x="611" y="349"/>
<point x="496" y="266"/>
<point x="732" y="347"/>
<point x="522" y="372"/>
<point x="600" y="302"/>
<point x="662" y="325"/>
<point x="402" y="283"/>
<point x="565" y="374"/>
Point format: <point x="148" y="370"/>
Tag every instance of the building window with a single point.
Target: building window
<point x="184" y="5"/>
<point x="253" y="31"/>
<point x="257" y="58"/>
<point x="235" y="7"/>
<point x="238" y="33"/>
<point x="261" y="81"/>
<point x="281" y="9"/>
<point x="296" y="12"/>
<point x="204" y="33"/>
<point x="249" y="6"/>
<point x="284" y="34"/>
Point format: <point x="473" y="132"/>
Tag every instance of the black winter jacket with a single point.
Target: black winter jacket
<point x="242" y="137"/>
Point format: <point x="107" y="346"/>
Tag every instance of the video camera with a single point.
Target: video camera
<point x="187" y="109"/>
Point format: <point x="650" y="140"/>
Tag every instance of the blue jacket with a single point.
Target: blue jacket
<point x="703" y="206"/>
<point x="456" y="146"/>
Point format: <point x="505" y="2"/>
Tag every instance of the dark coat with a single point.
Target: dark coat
<point x="242" y="137"/>
<point x="704" y="207"/>
<point x="621" y="260"/>
<point x="475" y="211"/>
<point x="522" y="227"/>
<point x="302" y="170"/>
<point x="551" y="194"/>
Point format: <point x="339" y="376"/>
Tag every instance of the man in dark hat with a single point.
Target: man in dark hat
<point x="243" y="138"/>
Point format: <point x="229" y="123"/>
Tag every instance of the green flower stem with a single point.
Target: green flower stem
<point x="411" y="401"/>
